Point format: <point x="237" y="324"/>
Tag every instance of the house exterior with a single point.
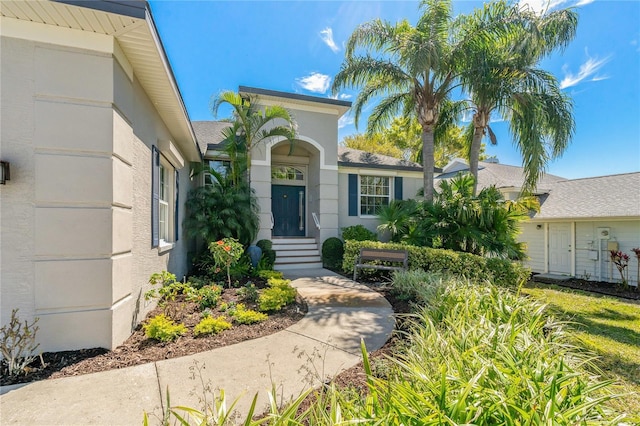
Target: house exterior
<point x="308" y="195"/>
<point x="100" y="145"/>
<point x="579" y="222"/>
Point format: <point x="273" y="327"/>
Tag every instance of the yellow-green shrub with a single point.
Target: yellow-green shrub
<point x="502" y="272"/>
<point x="278" y="295"/>
<point x="211" y="325"/>
<point x="242" y="315"/>
<point x="163" y="329"/>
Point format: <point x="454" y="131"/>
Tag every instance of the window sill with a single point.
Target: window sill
<point x="164" y="247"/>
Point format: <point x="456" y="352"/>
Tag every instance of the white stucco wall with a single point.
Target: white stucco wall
<point x="75" y="233"/>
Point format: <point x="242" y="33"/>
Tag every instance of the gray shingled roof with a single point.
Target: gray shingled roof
<point x="597" y="197"/>
<point x="349" y="157"/>
<point x="209" y="134"/>
<point x="503" y="176"/>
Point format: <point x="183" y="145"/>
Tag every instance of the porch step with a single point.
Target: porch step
<point x="296" y="253"/>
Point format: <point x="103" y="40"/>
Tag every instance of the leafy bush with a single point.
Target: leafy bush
<point x="332" y="252"/>
<point x="268" y="255"/>
<point x="248" y="293"/>
<point x="207" y="296"/>
<point x="163" y="329"/>
<point x="265" y="274"/>
<point x="18" y="344"/>
<point x="278" y="295"/>
<point x="211" y="325"/>
<point x="242" y="315"/>
<point x="358" y="233"/>
<point x="226" y="252"/>
<point x="502" y="272"/>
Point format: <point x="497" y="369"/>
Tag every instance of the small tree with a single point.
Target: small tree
<point x="226" y="252"/>
<point x="621" y="260"/>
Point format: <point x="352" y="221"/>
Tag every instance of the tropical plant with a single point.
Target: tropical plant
<point x="226" y="252"/>
<point x="223" y="209"/>
<point x="485" y="224"/>
<point x="501" y="76"/>
<point x="621" y="261"/>
<point x="413" y="72"/>
<point x="397" y="217"/>
<point x="374" y="143"/>
<point x="252" y="125"/>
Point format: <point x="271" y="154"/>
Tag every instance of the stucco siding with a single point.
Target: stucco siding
<point x="75" y="218"/>
<point x="535" y="241"/>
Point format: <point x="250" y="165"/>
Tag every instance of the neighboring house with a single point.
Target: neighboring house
<point x="579" y="221"/>
<point x="99" y="145"/>
<point x="308" y="196"/>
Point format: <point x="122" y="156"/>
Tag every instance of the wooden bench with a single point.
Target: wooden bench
<point x="367" y="257"/>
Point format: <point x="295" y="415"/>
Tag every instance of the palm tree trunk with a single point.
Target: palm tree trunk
<point x="428" y="161"/>
<point x="474" y="155"/>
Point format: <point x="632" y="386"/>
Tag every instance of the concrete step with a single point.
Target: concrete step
<point x="293" y="253"/>
<point x="291" y="247"/>
<point x="297" y="259"/>
<point x="301" y="240"/>
<point x="288" y="266"/>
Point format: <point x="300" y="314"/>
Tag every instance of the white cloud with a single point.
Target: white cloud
<point x="315" y="82"/>
<point x="344" y="96"/>
<point x="541" y="6"/>
<point x="327" y="36"/>
<point x="587" y="72"/>
<point x="345" y="121"/>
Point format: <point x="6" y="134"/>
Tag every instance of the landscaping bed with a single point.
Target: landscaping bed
<point x="139" y="349"/>
<point x="600" y="287"/>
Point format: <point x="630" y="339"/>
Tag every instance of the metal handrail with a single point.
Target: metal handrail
<point x="272" y="220"/>
<point x="316" y="220"/>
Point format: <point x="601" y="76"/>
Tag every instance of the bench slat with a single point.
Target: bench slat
<point x="381" y="255"/>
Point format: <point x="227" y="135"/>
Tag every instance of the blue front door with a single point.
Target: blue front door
<point x="288" y="209"/>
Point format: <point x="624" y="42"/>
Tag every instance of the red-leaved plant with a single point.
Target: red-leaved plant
<point x="621" y="260"/>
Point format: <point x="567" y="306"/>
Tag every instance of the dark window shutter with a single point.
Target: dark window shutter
<point x="175" y="213"/>
<point x="397" y="188"/>
<point x="353" y="195"/>
<point x="155" y="196"/>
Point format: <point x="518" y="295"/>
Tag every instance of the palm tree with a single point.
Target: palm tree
<point x="413" y="73"/>
<point x="501" y="77"/>
<point x="252" y="125"/>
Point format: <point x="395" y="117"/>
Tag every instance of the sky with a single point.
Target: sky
<point x="298" y="46"/>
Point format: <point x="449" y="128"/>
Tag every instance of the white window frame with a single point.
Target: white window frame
<point x="388" y="196"/>
<point x="166" y="205"/>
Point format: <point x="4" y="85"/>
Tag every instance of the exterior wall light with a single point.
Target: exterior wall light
<point x="538" y="226"/>
<point x="4" y="172"/>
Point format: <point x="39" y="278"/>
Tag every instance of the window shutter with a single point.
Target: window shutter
<point x="397" y="188"/>
<point x="155" y="196"/>
<point x="353" y="195"/>
<point x="175" y="214"/>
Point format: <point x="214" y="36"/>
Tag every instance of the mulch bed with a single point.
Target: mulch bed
<point x="139" y="349"/>
<point x="609" y="289"/>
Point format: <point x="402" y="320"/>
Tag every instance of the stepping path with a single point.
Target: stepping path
<point x="322" y="344"/>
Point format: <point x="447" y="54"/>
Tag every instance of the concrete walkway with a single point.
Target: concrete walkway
<point x="325" y="342"/>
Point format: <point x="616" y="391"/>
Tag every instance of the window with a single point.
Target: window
<point x="220" y="166"/>
<point x="374" y="193"/>
<point x="286" y="173"/>
<point x="164" y="208"/>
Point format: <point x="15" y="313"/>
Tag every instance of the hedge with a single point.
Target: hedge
<point x="502" y="272"/>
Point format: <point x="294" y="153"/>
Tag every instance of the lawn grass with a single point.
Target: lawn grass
<point x="607" y="326"/>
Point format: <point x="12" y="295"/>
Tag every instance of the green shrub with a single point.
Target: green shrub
<point x="332" y="252"/>
<point x="211" y="325"/>
<point x="268" y="255"/>
<point x="207" y="296"/>
<point x="248" y="293"/>
<point x="358" y="233"/>
<point x="242" y="315"/>
<point x="265" y="274"/>
<point x="501" y="272"/>
<point x="278" y="295"/>
<point x="163" y="329"/>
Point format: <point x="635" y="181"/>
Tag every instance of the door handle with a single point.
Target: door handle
<point x="300" y="210"/>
